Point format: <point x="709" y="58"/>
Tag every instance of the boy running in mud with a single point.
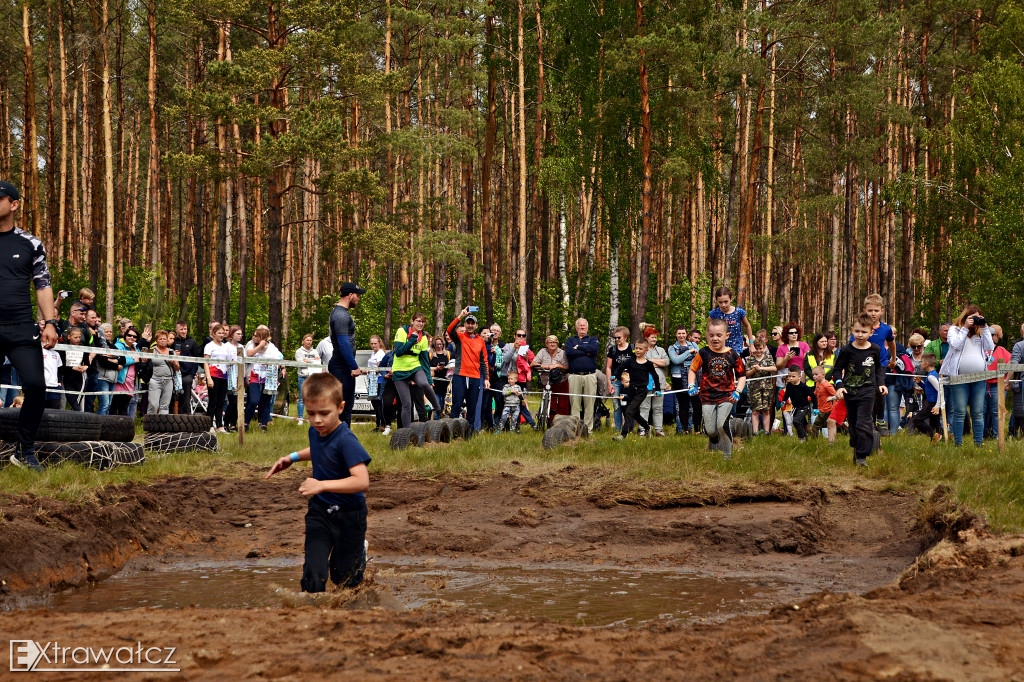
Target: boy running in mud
<point x="336" y="515"/>
<point x="858" y="374"/>
<point x="721" y="384"/>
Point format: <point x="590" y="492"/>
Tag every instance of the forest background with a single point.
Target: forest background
<point x="615" y="159"/>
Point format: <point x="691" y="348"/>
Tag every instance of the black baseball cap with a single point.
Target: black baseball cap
<point x="351" y="288"/>
<point x="9" y="190"/>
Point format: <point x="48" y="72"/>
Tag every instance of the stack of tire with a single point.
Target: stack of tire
<point x="564" y="429"/>
<point x="93" y="440"/>
<point x="167" y="433"/>
<point x="741" y="427"/>
<point x="434" y="431"/>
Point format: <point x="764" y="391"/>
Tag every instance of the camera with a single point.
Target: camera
<point x="980" y="321"/>
<point x="64" y="294"/>
<point x="474" y="308"/>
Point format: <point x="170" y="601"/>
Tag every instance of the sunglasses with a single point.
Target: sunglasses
<point x="918" y="346"/>
<point x="618" y="338"/>
<point x="131" y="336"/>
<point x="775" y="334"/>
<point x="523" y="336"/>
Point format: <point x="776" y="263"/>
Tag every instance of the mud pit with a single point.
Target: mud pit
<point x="834" y="554"/>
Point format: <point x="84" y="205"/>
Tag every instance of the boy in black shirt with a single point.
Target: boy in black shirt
<point x="336" y="516"/>
<point x="858" y="373"/>
<point x="642" y="378"/>
<point x="801" y="395"/>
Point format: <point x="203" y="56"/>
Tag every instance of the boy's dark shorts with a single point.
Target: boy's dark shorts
<point x="334" y="546"/>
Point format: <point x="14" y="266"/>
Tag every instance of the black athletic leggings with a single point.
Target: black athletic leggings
<point x="402" y="386"/>
<point x="631" y="412"/>
<point x="20" y="343"/>
<point x="215" y="401"/>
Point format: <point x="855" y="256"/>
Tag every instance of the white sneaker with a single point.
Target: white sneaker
<point x="386" y="431"/>
<point x="300" y="422"/>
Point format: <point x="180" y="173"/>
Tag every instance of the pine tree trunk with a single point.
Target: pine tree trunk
<point x="643" y="281"/>
<point x="30" y="165"/>
<point x="523" y="320"/>
<point x="108" y="148"/>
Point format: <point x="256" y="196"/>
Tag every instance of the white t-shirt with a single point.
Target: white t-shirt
<point x="303" y="355"/>
<point x="972" y="359"/>
<point x="51" y="364"/>
<point x="325" y="349"/>
<point x="224" y="351"/>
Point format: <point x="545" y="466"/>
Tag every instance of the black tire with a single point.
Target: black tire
<point x="454" y="428"/>
<point x="556" y="435"/>
<point x="440" y="431"/>
<point x="164" y="443"/>
<point x="421" y="431"/>
<point x="176" y="423"/>
<point x="94" y="454"/>
<point x="56" y="426"/>
<point x="119" y="429"/>
<point x="402" y="438"/>
<point x="465" y="428"/>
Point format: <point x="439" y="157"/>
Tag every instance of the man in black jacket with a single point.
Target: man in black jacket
<point x="187" y="348"/>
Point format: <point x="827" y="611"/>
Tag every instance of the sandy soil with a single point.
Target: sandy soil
<point x="956" y="613"/>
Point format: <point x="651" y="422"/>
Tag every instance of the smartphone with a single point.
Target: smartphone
<point x="474" y="308"/>
<point x="64" y="294"/>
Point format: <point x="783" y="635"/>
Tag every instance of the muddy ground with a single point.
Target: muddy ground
<point x="879" y="608"/>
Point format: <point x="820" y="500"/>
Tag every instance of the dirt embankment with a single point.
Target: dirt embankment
<point x="51" y="545"/>
<point x="956" y="613"/>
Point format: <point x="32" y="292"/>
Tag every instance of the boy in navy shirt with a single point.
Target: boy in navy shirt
<point x="336" y="516"/>
<point x="881" y="336"/>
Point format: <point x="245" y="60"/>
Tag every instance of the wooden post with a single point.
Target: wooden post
<point x="240" y="397"/>
<point x="1001" y="398"/>
<point x="945" y="422"/>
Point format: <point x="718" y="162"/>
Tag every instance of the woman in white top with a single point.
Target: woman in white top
<point x="217" y="374"/>
<point x="970" y="340"/>
<point x="372" y="385"/>
<point x="306" y="353"/>
<point x="234" y="340"/>
<point x="262" y="378"/>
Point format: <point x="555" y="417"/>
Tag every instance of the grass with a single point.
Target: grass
<point x="981" y="479"/>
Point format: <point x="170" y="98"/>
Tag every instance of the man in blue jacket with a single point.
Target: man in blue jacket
<point x="582" y="352"/>
<point x="343" y="337"/>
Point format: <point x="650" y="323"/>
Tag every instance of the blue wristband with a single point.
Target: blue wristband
<point x="294" y="457"/>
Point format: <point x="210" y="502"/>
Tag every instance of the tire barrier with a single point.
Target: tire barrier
<point x="100" y="455"/>
<point x="422" y="433"/>
<point x="403" y="438"/>
<point x="176" y="423"/>
<point x="465" y="428"/>
<point x="165" y="443"/>
<point x="440" y="431"/>
<point x="66" y="426"/>
<point x="741" y="428"/>
<point x="557" y="435"/>
<point x="119" y="429"/>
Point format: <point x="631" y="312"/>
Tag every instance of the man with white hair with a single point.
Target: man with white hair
<point x="582" y="351"/>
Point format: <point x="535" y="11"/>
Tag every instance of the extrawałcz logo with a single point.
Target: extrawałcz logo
<point x="31" y="656"/>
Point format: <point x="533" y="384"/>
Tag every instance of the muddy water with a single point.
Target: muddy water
<point x="569" y="593"/>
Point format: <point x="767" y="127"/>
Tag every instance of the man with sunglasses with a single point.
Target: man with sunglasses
<point x="23" y="264"/>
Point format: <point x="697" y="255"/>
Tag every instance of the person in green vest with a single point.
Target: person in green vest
<point x="412" y="366"/>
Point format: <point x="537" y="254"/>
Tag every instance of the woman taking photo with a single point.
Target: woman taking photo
<point x="412" y="365"/>
<point x="792" y="350"/>
<point x="969" y="340"/>
<point x="124" y="400"/>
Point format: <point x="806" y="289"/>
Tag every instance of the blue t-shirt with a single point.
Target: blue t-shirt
<point x="735" y="322"/>
<point x="879" y="336"/>
<point x="332" y="456"/>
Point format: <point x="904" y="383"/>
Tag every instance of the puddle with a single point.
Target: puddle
<point x="568" y="593"/>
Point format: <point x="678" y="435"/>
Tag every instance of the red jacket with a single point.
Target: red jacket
<point x="471" y="349"/>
